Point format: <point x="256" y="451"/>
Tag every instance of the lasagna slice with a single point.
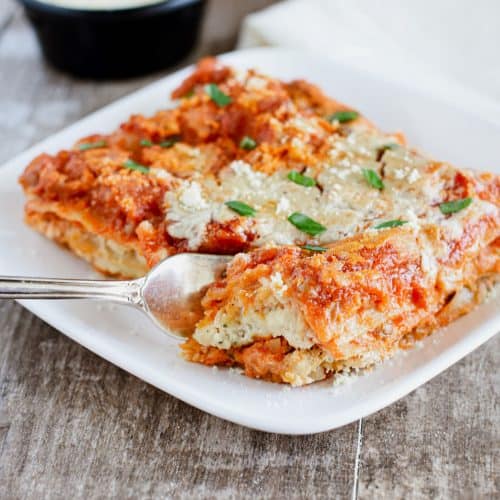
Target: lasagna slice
<point x="293" y="315"/>
<point x="348" y="244"/>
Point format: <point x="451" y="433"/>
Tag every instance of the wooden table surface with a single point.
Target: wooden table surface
<point x="75" y="426"/>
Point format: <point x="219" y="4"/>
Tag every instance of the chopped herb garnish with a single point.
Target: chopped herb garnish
<point x="343" y="116"/>
<point x="450" y="207"/>
<point x="240" y="208"/>
<point x="302" y="180"/>
<point x="146" y="143"/>
<point x="314" y="248"/>
<point x="188" y="94"/>
<point x="91" y="145"/>
<point x="306" y="224"/>
<point x="247" y="143"/>
<point x="216" y="94"/>
<point x="391" y="223"/>
<point x="168" y="143"/>
<point x="132" y="165"/>
<point x="373" y="178"/>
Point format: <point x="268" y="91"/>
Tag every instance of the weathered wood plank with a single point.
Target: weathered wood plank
<point x="441" y="441"/>
<point x="7" y="9"/>
<point x="80" y="427"/>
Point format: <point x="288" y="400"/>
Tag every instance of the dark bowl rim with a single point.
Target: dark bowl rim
<point x="155" y="8"/>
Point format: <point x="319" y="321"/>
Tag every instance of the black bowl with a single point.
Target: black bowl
<point x="116" y="43"/>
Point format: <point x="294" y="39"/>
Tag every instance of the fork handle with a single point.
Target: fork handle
<point x="124" y="292"/>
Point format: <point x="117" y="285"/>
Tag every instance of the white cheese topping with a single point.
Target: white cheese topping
<point x="191" y="198"/>
<point x="346" y="204"/>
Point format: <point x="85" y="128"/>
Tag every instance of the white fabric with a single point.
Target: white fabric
<point x="448" y="47"/>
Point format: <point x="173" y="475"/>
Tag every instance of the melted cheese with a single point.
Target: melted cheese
<point x="343" y="201"/>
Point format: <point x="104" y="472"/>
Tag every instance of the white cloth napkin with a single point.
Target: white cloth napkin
<point x="447" y="47"/>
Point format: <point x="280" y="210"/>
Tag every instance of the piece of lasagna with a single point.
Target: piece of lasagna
<point x="348" y="243"/>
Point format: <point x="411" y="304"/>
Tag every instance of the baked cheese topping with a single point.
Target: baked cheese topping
<point x="342" y="200"/>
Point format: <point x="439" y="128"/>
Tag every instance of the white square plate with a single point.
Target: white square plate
<point x="127" y="339"/>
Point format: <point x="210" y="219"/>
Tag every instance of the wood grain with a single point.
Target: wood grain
<point x="441" y="441"/>
<point x="75" y="426"/>
<point x="76" y="423"/>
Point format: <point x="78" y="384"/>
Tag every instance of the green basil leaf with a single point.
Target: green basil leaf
<point x="216" y="94"/>
<point x="146" y="143"/>
<point x="450" y="207"/>
<point x="302" y="180"/>
<point x="306" y="224"/>
<point x="391" y="223"/>
<point x="343" y="116"/>
<point x="247" y="143"/>
<point x="240" y="208"/>
<point x="373" y="178"/>
<point x="132" y="165"/>
<point x="314" y="248"/>
<point x="92" y="145"/>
